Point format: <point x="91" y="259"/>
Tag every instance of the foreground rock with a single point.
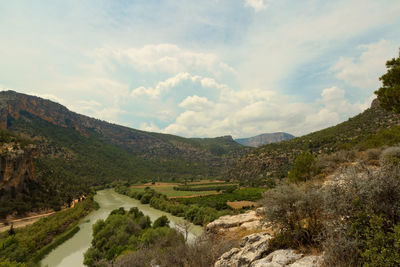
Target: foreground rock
<point x="252" y="250"/>
<point x="250" y="220"/>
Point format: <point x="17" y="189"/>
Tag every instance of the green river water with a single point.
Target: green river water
<point x="70" y="253"/>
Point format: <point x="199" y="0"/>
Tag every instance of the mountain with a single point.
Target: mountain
<point x="74" y="152"/>
<point x="263" y="139"/>
<point x="274" y="160"/>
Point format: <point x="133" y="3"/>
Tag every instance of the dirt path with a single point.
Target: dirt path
<point x="23" y="221"/>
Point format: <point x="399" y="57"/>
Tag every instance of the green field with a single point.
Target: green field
<point x="168" y="190"/>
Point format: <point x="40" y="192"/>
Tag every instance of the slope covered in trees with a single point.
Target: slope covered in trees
<point x="274" y="160"/>
<point x="74" y="152"/>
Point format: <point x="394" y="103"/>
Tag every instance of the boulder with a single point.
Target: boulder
<point x="282" y="257"/>
<point x="229" y="221"/>
<point x="252" y="248"/>
<point x="308" y="261"/>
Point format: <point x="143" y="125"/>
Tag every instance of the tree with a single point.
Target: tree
<point x="389" y="93"/>
<point x="304" y="168"/>
<point x="11" y="231"/>
<point x="184" y="227"/>
<point x="161" y="222"/>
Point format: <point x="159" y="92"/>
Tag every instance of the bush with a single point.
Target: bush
<point x="161" y="222"/>
<point x="304" y="168"/>
<point x="391" y="156"/>
<point x="329" y="162"/>
<point x="362" y="218"/>
<point x="373" y="154"/>
<point x="298" y="210"/>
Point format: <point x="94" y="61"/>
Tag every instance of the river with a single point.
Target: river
<point x="70" y="253"/>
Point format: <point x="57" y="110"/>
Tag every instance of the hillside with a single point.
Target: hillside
<point x="74" y="151"/>
<point x="274" y="160"/>
<point x="264" y="139"/>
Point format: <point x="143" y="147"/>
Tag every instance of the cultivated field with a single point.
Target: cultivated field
<point x="168" y="188"/>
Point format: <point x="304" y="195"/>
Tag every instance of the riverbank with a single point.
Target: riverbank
<point x="31" y="243"/>
<point x="70" y="253"/>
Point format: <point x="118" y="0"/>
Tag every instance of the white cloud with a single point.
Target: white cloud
<point x="165" y="57"/>
<point x="150" y="127"/>
<point x="248" y="112"/>
<point x="286" y="40"/>
<point x="364" y="71"/>
<point x="164" y="86"/>
<point x="257" y="5"/>
<point x="196" y="103"/>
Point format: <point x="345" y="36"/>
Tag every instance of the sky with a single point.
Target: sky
<point x="201" y="68"/>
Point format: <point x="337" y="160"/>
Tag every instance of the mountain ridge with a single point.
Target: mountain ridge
<point x="274" y="160"/>
<point x="76" y="152"/>
<point x="265" y="138"/>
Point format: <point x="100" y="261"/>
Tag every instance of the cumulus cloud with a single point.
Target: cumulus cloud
<point x="196" y="103"/>
<point x="163" y="86"/>
<point x="248" y="112"/>
<point x="257" y="5"/>
<point x="364" y="71"/>
<point x="165" y="57"/>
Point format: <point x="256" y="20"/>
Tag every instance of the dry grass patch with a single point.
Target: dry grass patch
<point x="241" y="204"/>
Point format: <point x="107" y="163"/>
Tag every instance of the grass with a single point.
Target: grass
<point x="168" y="189"/>
<point x="171" y="193"/>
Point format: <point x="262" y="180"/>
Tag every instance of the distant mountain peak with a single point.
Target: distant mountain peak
<point x="266" y="138"/>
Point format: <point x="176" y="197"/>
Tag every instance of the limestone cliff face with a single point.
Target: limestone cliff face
<point x="16" y="166"/>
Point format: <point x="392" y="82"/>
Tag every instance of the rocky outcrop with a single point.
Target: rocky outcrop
<point x="252" y="250"/>
<point x="288" y="257"/>
<point x="250" y="220"/>
<point x="16" y="166"/>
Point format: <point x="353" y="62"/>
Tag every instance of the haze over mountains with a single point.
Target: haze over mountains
<point x="266" y="138"/>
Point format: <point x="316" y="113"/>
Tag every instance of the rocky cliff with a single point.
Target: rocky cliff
<point x="262" y="139"/>
<point x="16" y="166"/>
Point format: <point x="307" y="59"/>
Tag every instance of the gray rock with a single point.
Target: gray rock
<point x="229" y="221"/>
<point x="282" y="257"/>
<point x="254" y="246"/>
<point x="308" y="261"/>
<point x="251" y="249"/>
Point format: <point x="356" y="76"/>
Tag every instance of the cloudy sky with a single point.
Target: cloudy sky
<point x="201" y="68"/>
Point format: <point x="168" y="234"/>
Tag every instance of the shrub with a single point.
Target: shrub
<point x="373" y="154"/>
<point x="330" y="162"/>
<point x="362" y="218"/>
<point x="304" y="168"/>
<point x="298" y="210"/>
<point x="391" y="156"/>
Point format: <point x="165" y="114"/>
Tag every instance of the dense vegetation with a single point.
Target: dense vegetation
<point x="199" y="210"/>
<point x="210" y="187"/>
<point x="76" y="152"/>
<point x="31" y="243"/>
<point x="389" y="93"/>
<point x="128" y="238"/>
<point x="355" y="219"/>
